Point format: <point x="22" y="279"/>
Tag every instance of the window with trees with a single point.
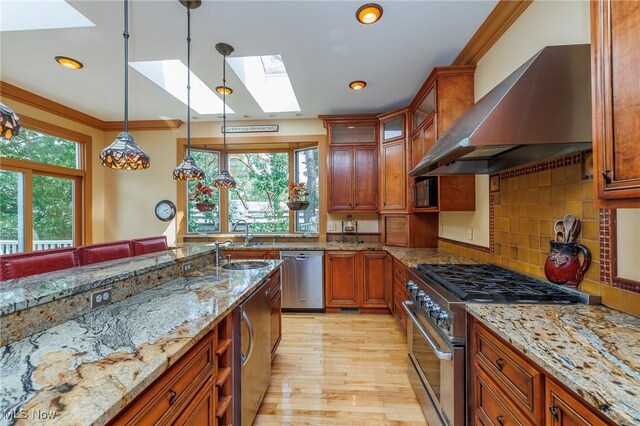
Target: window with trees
<point x="42" y="181"/>
<point x="261" y="195"/>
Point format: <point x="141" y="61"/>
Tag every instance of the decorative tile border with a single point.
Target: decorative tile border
<point x="546" y="165"/>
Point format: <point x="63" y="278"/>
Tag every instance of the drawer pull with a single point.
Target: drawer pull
<point x="500" y="419"/>
<point x="552" y="409"/>
<point x="172" y="398"/>
<point x="500" y="363"/>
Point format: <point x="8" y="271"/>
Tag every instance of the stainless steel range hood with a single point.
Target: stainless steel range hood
<point x="542" y="110"/>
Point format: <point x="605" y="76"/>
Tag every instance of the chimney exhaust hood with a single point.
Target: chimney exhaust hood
<point x="542" y="110"/>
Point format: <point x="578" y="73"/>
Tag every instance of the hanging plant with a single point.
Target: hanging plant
<point x="202" y="196"/>
<point x="298" y="196"/>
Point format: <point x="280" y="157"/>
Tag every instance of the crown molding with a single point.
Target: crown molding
<point x="17" y="94"/>
<point x="497" y="23"/>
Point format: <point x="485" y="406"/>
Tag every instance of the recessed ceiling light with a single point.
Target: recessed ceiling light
<point x="221" y="89"/>
<point x="70" y="63"/>
<point x="369" y="13"/>
<point x="357" y="85"/>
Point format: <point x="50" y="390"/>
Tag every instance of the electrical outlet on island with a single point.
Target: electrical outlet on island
<point x="100" y="298"/>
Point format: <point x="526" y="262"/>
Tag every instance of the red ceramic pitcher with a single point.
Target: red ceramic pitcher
<point x="563" y="263"/>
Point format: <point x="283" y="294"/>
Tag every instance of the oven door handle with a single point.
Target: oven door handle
<point x="445" y="356"/>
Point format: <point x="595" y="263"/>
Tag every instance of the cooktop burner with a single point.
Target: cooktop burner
<point x="490" y="283"/>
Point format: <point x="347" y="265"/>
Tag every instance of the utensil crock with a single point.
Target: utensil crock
<point x="563" y="263"/>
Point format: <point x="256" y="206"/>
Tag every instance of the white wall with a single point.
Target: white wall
<point x="543" y="23"/>
<point x="628" y="243"/>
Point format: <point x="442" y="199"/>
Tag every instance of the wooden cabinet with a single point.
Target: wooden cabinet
<point x="393" y="161"/>
<point x="352" y="163"/>
<point x="409" y="230"/>
<point x="201" y="410"/>
<point x="341" y="280"/>
<point x="252" y="254"/>
<point x="274" y="293"/>
<point x="508" y="388"/>
<point x="376" y="274"/>
<point x="566" y="410"/>
<point x="353" y="178"/>
<point x="615" y="31"/>
<point x="357" y="279"/>
<point x="399" y="294"/>
<point x="445" y="95"/>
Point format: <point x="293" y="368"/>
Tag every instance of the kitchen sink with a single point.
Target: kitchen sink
<point x="250" y="264"/>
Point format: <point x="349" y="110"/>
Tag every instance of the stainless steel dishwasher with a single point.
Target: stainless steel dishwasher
<point x="302" y="280"/>
<point x="255" y="352"/>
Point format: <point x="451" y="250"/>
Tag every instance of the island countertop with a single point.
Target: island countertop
<point x="87" y="369"/>
<point x="592" y="350"/>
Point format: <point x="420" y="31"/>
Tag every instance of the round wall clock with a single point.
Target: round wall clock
<point x="165" y="210"/>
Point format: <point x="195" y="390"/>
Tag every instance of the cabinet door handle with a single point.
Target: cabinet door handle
<point x="172" y="398"/>
<point x="500" y="419"/>
<point x="607" y="176"/>
<point x="500" y="363"/>
<point x="554" y="413"/>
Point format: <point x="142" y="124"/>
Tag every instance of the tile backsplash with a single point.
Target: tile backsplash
<point x="523" y="212"/>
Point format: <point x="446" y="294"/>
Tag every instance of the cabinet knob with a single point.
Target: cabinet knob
<point x="552" y="409"/>
<point x="500" y="419"/>
<point x="607" y="176"/>
<point x="500" y="363"/>
<point x="172" y="396"/>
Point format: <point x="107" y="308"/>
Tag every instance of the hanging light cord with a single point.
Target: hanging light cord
<point x="224" y="106"/>
<point x="188" y="78"/>
<point x="125" y="34"/>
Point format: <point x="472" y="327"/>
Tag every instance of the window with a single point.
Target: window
<point x="306" y="170"/>
<point x="42" y="182"/>
<point x="203" y="220"/>
<point x="261" y="193"/>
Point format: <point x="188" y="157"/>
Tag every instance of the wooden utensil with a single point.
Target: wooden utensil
<point x="559" y="237"/>
<point x="568" y="222"/>
<point x="575" y="230"/>
<point x="558" y="228"/>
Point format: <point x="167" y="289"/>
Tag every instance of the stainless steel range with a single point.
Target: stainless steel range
<point x="437" y="329"/>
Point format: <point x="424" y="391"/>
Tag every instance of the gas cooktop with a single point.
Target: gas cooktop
<point x="490" y="283"/>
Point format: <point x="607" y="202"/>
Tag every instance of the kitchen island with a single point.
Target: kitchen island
<point x="86" y="370"/>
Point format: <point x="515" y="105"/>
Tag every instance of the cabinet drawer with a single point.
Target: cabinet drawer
<point x="490" y="407"/>
<point x="517" y="378"/>
<point x="400" y="315"/>
<point x="165" y="398"/>
<point x="564" y="409"/>
<point x="273" y="285"/>
<point x="399" y="269"/>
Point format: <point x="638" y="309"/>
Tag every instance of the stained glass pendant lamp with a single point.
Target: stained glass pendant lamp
<point x="224" y="180"/>
<point x="188" y="169"/>
<point x="9" y="121"/>
<point x="124" y="153"/>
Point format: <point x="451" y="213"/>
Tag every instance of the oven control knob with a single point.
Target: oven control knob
<point x="410" y="286"/>
<point x="421" y="295"/>
<point x="434" y="311"/>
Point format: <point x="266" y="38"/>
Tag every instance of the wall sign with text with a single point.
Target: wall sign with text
<point x="250" y="128"/>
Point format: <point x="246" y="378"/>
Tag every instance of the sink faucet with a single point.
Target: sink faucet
<point x="246" y="230"/>
<point x="219" y="252"/>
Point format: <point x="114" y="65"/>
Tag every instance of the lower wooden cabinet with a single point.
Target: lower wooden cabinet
<point x="357" y="279"/>
<point x="565" y="409"/>
<point x="196" y="390"/>
<point x="252" y="254"/>
<point x="274" y="293"/>
<point x="506" y="388"/>
<point x="399" y="294"/>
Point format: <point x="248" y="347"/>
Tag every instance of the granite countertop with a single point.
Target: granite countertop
<point x="23" y="293"/>
<point x="593" y="350"/>
<point x="87" y="369"/>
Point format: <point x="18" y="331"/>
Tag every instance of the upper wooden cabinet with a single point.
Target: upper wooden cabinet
<point x="352" y="163"/>
<point x="393" y="162"/>
<point x="445" y="95"/>
<point x="615" y="31"/>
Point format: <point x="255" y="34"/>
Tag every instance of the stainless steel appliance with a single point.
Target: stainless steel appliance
<point x="425" y="192"/>
<point x="436" y="332"/>
<point x="302" y="280"/>
<point x="255" y="352"/>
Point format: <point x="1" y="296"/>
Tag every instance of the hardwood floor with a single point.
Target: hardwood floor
<point x="341" y="369"/>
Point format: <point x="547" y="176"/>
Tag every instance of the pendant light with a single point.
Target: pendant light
<point x="188" y="169"/>
<point x="124" y="153"/>
<point x="224" y="180"/>
<point x="9" y="121"/>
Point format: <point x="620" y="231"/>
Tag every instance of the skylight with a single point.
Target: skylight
<point x="171" y="75"/>
<point x="267" y="80"/>
<point x="20" y="15"/>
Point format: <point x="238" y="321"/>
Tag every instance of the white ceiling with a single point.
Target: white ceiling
<point x="323" y="47"/>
